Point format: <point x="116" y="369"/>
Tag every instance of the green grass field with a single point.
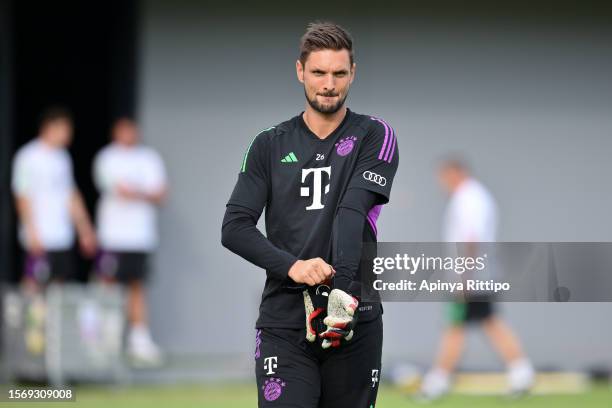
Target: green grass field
<point x="244" y="396"/>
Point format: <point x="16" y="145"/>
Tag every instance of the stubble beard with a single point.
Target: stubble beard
<point x="325" y="109"/>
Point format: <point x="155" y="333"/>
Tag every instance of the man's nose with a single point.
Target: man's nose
<point x="330" y="83"/>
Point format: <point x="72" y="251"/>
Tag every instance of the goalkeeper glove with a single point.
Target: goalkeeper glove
<point x="340" y="318"/>
<point x="311" y="314"/>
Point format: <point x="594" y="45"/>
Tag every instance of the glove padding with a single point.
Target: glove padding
<point x="311" y="314"/>
<point x="340" y="318"/>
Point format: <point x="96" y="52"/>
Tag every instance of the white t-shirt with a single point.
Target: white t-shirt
<point x="125" y="224"/>
<point x="471" y="214"/>
<point x="43" y="175"/>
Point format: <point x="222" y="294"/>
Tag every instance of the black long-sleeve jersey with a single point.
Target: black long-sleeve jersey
<point x="302" y="181"/>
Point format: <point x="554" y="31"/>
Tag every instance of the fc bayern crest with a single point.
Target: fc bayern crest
<point x="273" y="388"/>
<point x="345" y="145"/>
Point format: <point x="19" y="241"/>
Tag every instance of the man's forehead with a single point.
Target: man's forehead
<point x="329" y="60"/>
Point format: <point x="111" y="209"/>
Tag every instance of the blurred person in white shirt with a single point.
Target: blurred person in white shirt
<point x="132" y="182"/>
<point x="471" y="217"/>
<point x="49" y="204"/>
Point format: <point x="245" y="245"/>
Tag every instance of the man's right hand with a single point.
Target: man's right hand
<point x="311" y="271"/>
<point x="34" y="244"/>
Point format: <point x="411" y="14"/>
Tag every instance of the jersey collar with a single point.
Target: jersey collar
<point x="331" y="136"/>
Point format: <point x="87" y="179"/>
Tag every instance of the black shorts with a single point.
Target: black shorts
<point x="470" y="312"/>
<point x="123" y="267"/>
<point x="292" y="372"/>
<point x="52" y="266"/>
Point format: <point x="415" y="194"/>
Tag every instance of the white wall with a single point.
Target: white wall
<point x="528" y="104"/>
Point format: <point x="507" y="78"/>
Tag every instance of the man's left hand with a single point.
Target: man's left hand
<point x="340" y="318"/>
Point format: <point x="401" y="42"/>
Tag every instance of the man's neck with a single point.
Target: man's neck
<point x="460" y="183"/>
<point x="125" y="145"/>
<point x="322" y="125"/>
<point x="47" y="142"/>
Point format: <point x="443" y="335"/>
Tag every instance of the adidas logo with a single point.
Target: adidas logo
<point x="290" y="158"/>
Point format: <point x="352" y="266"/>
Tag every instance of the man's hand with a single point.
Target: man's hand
<point x="34" y="244"/>
<point x="155" y="197"/>
<point x="311" y="272"/>
<point x="88" y="243"/>
<point x="84" y="227"/>
<point x="127" y="193"/>
<point x="340" y="318"/>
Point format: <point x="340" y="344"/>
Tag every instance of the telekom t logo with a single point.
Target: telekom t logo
<point x="317" y="186"/>
<point x="374" y="377"/>
<point x="270" y="364"/>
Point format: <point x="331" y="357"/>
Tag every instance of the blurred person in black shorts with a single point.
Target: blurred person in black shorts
<point x="132" y="183"/>
<point x="471" y="217"/>
<point x="49" y="204"/>
<point x="322" y="177"/>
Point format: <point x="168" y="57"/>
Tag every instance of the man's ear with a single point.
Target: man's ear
<point x="353" y="72"/>
<point x="299" y="70"/>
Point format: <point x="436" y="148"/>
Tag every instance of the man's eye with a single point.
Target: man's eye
<point x="318" y="73"/>
<point x="340" y="74"/>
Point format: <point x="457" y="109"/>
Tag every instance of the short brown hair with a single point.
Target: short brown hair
<point x="124" y="121"/>
<point x="53" y="114"/>
<point x="454" y="162"/>
<point x="325" y="35"/>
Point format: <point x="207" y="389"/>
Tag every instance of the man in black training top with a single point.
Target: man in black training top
<point x="322" y="177"/>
